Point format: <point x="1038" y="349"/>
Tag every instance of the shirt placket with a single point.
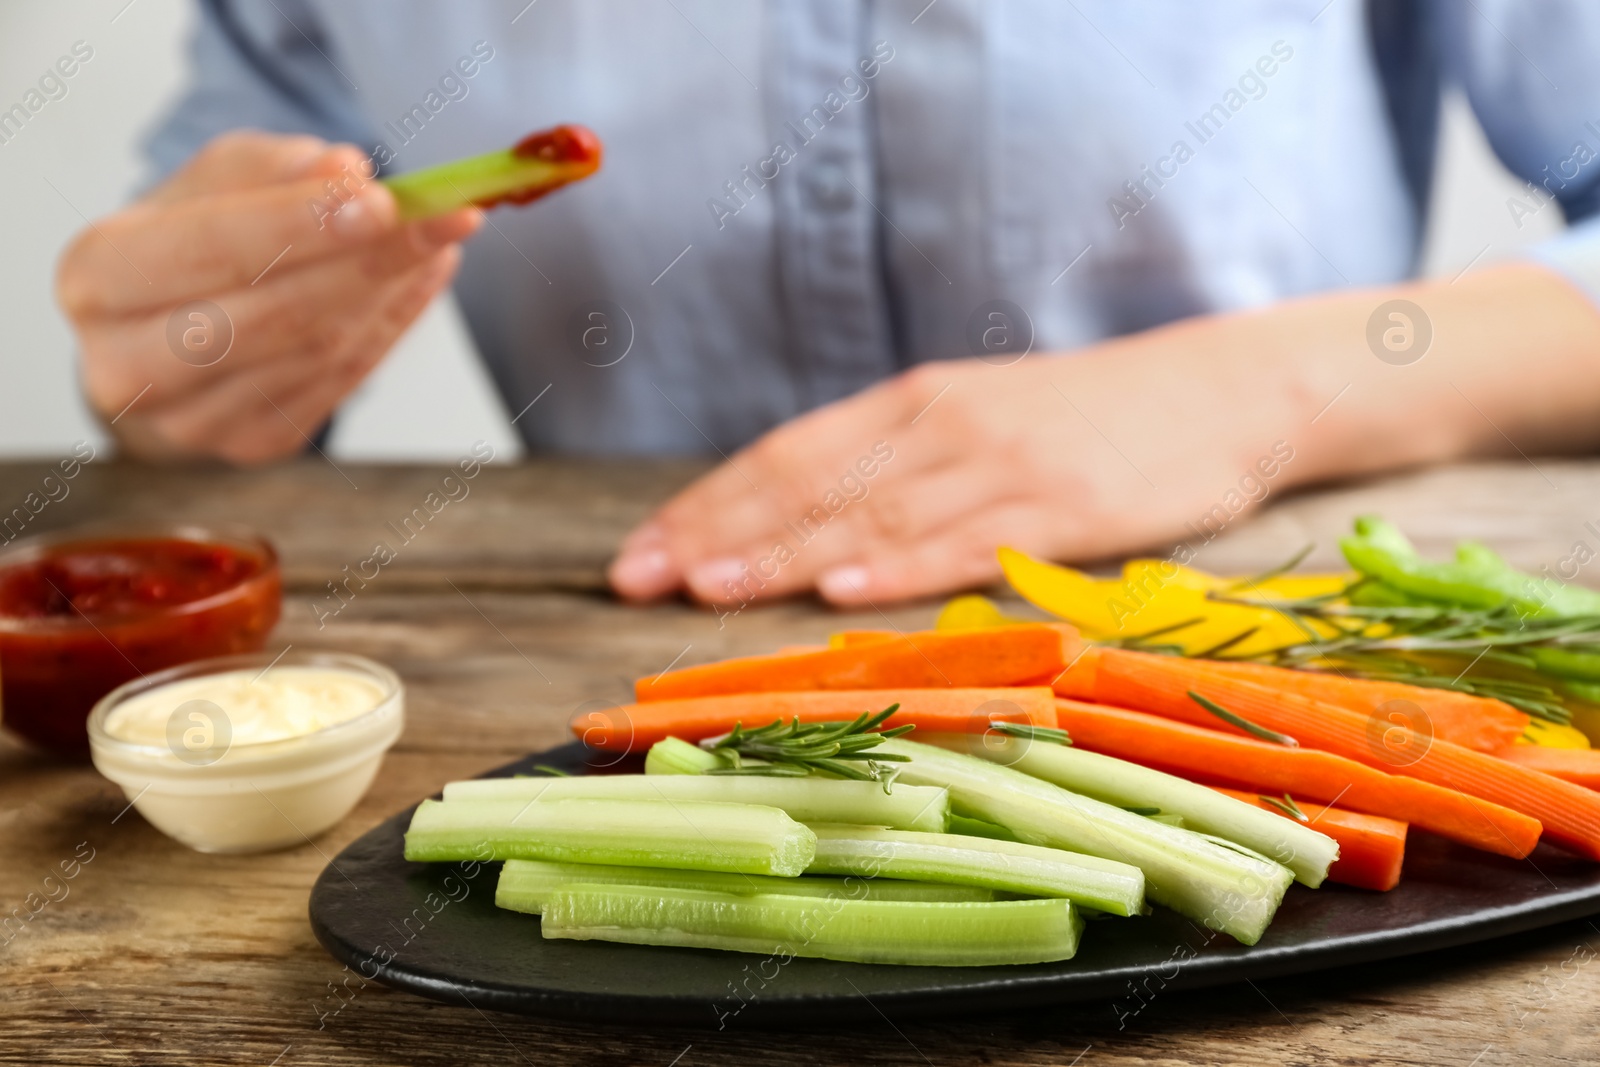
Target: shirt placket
<point x="829" y="268"/>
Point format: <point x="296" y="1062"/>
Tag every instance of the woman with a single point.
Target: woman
<point x="929" y="277"/>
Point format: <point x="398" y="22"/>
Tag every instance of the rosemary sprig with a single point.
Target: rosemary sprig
<point x="1242" y="723"/>
<point x="1413" y="627"/>
<point x="1275" y="572"/>
<point x="796" y="749"/>
<point x="1216" y="650"/>
<point x="1029" y="732"/>
<point x="1537" y="699"/>
<point x="1483" y="652"/>
<point x="1144" y="642"/>
<point x="1287" y="806"/>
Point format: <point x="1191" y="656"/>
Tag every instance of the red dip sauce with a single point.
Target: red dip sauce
<point x="80" y="617"/>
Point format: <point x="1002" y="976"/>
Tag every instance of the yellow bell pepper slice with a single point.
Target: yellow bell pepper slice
<point x="1553" y="735"/>
<point x="973" y="613"/>
<point x="1061" y="591"/>
<point x="1298" y="586"/>
<point x="1155" y="594"/>
<point x="1280" y="587"/>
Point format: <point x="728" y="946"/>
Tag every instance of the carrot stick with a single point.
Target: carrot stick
<point x="1580" y="766"/>
<point x="858" y="638"/>
<point x="1203" y="753"/>
<point x="1162" y="684"/>
<point x="635" y="727"/>
<point x="925" y="660"/>
<point x="1477" y="722"/>
<point x="1371" y="847"/>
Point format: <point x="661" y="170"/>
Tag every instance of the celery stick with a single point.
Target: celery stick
<point x="1303" y="850"/>
<point x="525" y="885"/>
<point x="433" y="191"/>
<point x="908" y="807"/>
<point x="686" y="834"/>
<point x="960" y="824"/>
<point x="674" y="756"/>
<point x="1167" y="819"/>
<point x="1195" y="877"/>
<point x="1010" y="866"/>
<point x="857" y="931"/>
<point x="539" y="164"/>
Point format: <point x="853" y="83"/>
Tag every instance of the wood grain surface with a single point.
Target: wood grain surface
<point x="496" y="618"/>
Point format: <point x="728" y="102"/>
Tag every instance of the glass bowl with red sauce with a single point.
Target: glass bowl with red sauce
<point x="83" y="611"/>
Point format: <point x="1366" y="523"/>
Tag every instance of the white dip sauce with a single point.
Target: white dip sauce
<point x="274" y="705"/>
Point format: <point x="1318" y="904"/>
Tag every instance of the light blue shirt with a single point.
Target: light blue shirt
<point x="801" y="197"/>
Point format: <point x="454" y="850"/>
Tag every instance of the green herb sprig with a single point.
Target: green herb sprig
<point x="1146" y="642"/>
<point x="796" y="749"/>
<point x="1242" y="723"/>
<point x="1483" y="652"/>
<point x="1029" y="732"/>
<point x="1287" y="806"/>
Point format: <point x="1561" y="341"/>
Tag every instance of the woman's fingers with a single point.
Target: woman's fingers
<point x="790" y="477"/>
<point x="155" y="255"/>
<point x="293" y="311"/>
<point x="270" y="410"/>
<point x="246" y="159"/>
<point x="959" y="557"/>
<point x="236" y="417"/>
<point x="864" y="517"/>
<point x="402" y="302"/>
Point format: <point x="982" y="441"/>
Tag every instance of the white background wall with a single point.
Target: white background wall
<point x="85" y="145"/>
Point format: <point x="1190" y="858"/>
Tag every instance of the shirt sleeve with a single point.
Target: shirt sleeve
<point x="264" y="64"/>
<point x="1528" y="69"/>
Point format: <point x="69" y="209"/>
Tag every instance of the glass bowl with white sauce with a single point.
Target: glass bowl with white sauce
<point x="249" y="753"/>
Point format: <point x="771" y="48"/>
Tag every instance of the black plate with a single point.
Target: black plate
<point x="433" y="929"/>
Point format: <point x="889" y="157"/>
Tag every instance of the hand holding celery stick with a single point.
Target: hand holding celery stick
<point x="273" y="276"/>
<point x="279" y="276"/>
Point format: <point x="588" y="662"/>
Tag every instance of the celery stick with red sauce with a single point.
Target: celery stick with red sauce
<point x="535" y="166"/>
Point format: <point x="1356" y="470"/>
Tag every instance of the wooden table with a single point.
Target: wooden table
<point x="496" y="616"/>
